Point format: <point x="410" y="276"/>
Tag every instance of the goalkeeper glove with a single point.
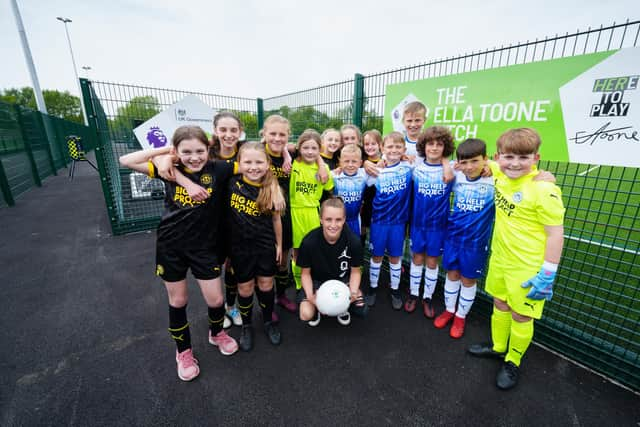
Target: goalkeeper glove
<point x="542" y="284"/>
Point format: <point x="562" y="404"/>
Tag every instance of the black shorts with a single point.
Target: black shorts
<point x="367" y="206"/>
<point x="172" y="264"/>
<point x="223" y="242"/>
<point x="287" y="231"/>
<point x="249" y="264"/>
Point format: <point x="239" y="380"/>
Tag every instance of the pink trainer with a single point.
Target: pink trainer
<point x="188" y="367"/>
<point x="224" y="342"/>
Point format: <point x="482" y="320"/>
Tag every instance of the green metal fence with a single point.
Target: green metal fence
<point x="594" y="317"/>
<point x="134" y="202"/>
<point x="28" y="152"/>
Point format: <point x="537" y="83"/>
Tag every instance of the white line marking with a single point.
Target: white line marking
<point x="588" y="170"/>
<point x="604" y="245"/>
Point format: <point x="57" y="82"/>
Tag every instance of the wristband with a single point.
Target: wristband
<point x="550" y="266"/>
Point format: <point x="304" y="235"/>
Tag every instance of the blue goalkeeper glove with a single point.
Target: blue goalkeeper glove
<point x="541" y="285"/>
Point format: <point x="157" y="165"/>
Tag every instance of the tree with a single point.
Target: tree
<point x="138" y="110"/>
<point x="59" y="104"/>
<point x="306" y="117"/>
<point x="250" y="123"/>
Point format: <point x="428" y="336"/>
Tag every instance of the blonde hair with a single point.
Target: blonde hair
<point x="276" y="118"/>
<point x="519" y="141"/>
<point x="333" y="202"/>
<point x="414" y="107"/>
<point x="351" y="149"/>
<point x="270" y="190"/>
<point x="327" y="131"/>
<point x="395" y="137"/>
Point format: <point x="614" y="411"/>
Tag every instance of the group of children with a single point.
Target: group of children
<point x="247" y="206"/>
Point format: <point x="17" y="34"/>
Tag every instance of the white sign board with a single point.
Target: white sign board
<point x="189" y="111"/>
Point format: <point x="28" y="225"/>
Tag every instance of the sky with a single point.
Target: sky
<point x="255" y="48"/>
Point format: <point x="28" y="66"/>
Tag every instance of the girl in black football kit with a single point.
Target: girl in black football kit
<point x="256" y="238"/>
<point x="186" y="238"/>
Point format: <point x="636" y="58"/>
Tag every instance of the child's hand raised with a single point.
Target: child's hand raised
<point x="373" y="169"/>
<point x="164" y="164"/>
<point x="286" y="165"/>
<point x="546" y="176"/>
<point x="408" y="158"/>
<point x="323" y="175"/>
<point x="195" y="191"/>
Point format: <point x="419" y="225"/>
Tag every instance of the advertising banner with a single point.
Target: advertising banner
<point x="586" y="108"/>
<point x="189" y="111"/>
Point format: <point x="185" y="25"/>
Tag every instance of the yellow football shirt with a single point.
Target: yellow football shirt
<point x="305" y="190"/>
<point x="523" y="208"/>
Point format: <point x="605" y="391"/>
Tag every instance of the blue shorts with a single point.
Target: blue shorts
<point x="470" y="262"/>
<point x="430" y="242"/>
<point x="354" y="225"/>
<point x="389" y="237"/>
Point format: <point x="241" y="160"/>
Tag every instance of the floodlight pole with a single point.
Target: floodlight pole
<point x="65" y="21"/>
<point x="27" y="57"/>
<point x="86" y="69"/>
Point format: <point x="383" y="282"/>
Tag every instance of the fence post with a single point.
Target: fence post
<point x="27" y="147"/>
<point x="92" y="119"/>
<point x="358" y="99"/>
<point x="45" y="134"/>
<point x="260" y="113"/>
<point x="60" y="142"/>
<point x="4" y="186"/>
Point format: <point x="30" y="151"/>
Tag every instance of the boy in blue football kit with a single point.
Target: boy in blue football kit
<point x="350" y="184"/>
<point x="430" y="209"/>
<point x="390" y="216"/>
<point x="466" y="246"/>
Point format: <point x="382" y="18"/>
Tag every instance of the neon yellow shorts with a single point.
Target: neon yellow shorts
<point x="506" y="285"/>
<point x="303" y="220"/>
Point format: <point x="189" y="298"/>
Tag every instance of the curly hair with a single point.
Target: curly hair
<point x="441" y="134"/>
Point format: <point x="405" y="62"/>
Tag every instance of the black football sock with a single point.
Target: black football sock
<point x="282" y="281"/>
<point x="179" y="327"/>
<point x="216" y="319"/>
<point x="245" y="305"/>
<point x="266" y="303"/>
<point x="230" y="286"/>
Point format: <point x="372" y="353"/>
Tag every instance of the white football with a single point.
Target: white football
<point x="333" y="298"/>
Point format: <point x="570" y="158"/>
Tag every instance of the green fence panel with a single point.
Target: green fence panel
<point x="135" y="202"/>
<point x="329" y="106"/>
<point x="28" y="152"/>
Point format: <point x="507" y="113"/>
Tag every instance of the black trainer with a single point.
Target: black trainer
<point x="370" y="298"/>
<point x="396" y="299"/>
<point x="246" y="338"/>
<point x="507" y="377"/>
<point x="485" y="350"/>
<point x="273" y="332"/>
